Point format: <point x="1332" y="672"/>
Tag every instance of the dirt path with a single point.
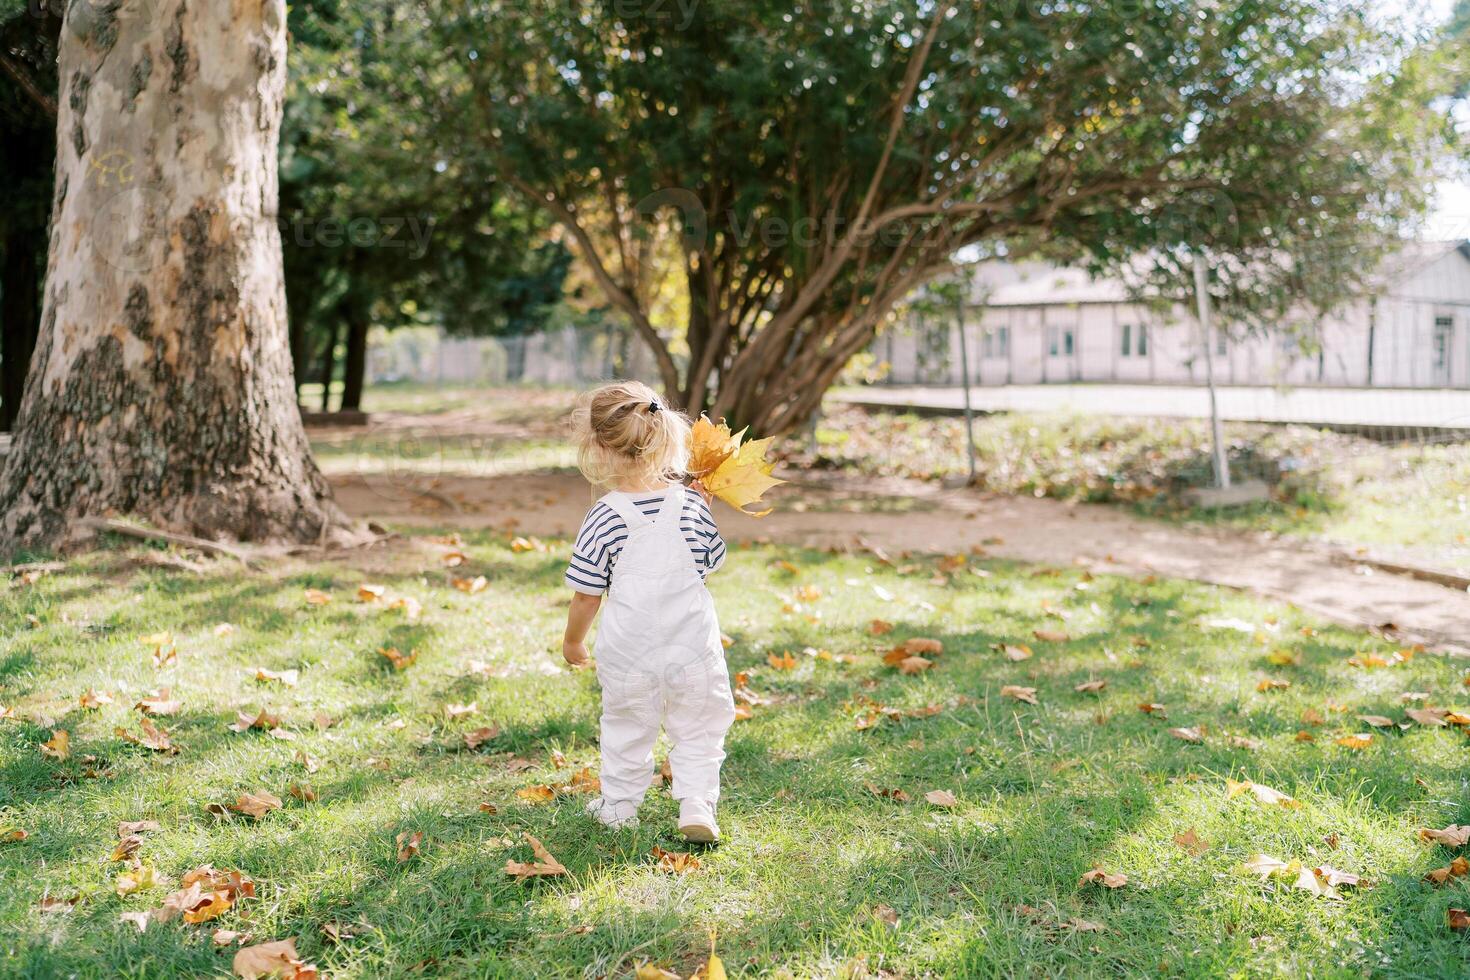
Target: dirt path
<point x="913" y="516"/>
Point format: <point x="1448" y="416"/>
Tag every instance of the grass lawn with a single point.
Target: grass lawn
<point x="986" y="887"/>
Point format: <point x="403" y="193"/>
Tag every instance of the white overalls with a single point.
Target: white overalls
<point x="660" y="660"/>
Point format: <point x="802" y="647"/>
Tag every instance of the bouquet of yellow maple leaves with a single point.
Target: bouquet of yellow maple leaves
<point x="728" y="467"/>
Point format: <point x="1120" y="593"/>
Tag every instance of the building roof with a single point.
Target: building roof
<point x="1037" y="284"/>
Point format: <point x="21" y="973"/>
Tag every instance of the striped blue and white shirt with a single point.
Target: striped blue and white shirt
<point x="603" y="532"/>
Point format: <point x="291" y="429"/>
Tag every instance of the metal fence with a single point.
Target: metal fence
<point x="571" y="355"/>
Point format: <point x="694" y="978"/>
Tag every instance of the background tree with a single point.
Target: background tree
<point x="376" y="220"/>
<point x="829" y="157"/>
<point x="28" y="35"/>
<point x="162" y="381"/>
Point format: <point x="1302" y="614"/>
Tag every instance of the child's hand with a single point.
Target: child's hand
<point x="698" y="488"/>
<point x="574" y="653"/>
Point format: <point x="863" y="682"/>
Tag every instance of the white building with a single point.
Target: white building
<point x="1040" y="324"/>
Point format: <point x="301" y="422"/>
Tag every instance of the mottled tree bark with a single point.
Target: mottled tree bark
<point x="161" y="385"/>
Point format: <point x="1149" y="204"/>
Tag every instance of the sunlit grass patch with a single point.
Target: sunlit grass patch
<point x="826" y="822"/>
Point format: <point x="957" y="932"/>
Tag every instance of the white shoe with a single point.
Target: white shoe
<point x="614" y="814"/>
<point x="697" y="821"/>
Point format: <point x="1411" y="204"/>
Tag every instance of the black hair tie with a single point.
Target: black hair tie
<point x="653" y="407"/>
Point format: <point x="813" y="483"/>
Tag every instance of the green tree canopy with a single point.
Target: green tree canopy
<point x="825" y="157"/>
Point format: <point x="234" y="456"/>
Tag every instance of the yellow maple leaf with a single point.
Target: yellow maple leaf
<point x="709" y="446"/>
<point x="737" y="472"/>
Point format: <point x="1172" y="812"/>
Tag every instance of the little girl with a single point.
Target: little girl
<point x="648" y="544"/>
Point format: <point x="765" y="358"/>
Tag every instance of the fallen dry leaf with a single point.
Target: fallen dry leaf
<point x="1098" y="876"/>
<point x="400" y="661"/>
<point x="941" y="797"/>
<point x="1377" y="721"/>
<point x="1457" y="868"/>
<point x="1272" y="684"/>
<point x="478" y="737"/>
<point x="1052" y="636"/>
<point x="257" y="804"/>
<point x="408" y="845"/>
<point x="675" y="862"/>
<point x="1027" y="694"/>
<point x="94" y="699"/>
<point x="159" y="704"/>
<point x="879" y="627"/>
<point x="286" y="677"/>
<point x="537" y="794"/>
<point x="274" y="959"/>
<point x="1457" y="919"/>
<point x="1194" y="735"/>
<point x="1263" y="794"/>
<point x="914" y="665"/>
<point x="1014" y="652"/>
<point x="52" y="903"/>
<point x="471" y="586"/>
<point x="411" y="607"/>
<point x="127" y="847"/>
<point x="1190" y="843"/>
<point x="264" y="720"/>
<point x="58" y="747"/>
<point x="543" y="866"/>
<point x="136" y="879"/>
<point x="1429" y="717"/>
<point x="1358" y="740"/>
<point x="1090" y="686"/>
<point x="316" y="597"/>
<point x="153" y="737"/>
<point x="785" y="661"/>
<point x="1455" y="835"/>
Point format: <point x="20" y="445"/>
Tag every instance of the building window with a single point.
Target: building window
<point x="1002" y="341"/>
<point x="1134" y="343"/>
<point x="1060" y="341"/>
<point x="1222" y="346"/>
<point x="1444" y="328"/>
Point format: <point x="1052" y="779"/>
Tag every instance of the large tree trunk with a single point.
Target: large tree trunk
<point x="20" y="312"/>
<point x="162" y="379"/>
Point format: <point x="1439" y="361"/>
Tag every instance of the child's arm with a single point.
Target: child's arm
<point x="708" y="531"/>
<point x="579" y="621"/>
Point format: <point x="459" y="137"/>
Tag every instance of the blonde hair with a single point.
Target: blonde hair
<point x="626" y="434"/>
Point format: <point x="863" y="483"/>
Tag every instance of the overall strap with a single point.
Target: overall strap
<point x="673" y="505"/>
<point x="623" y="505"/>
